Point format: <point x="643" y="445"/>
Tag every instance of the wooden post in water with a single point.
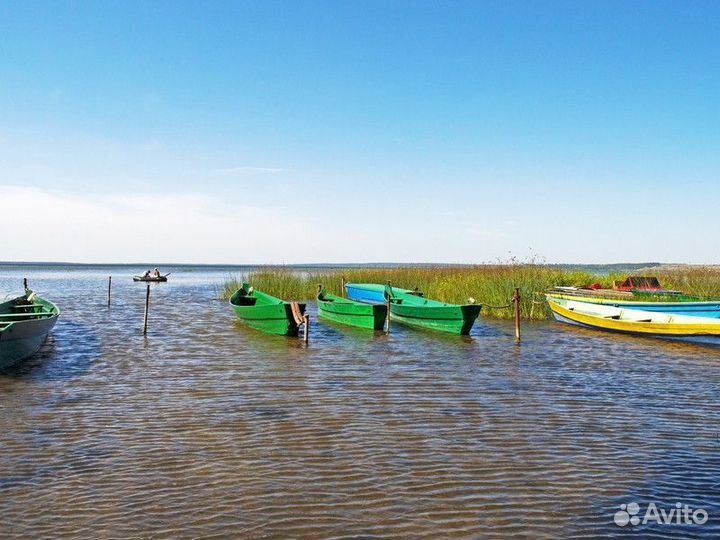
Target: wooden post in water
<point x="306" y="335"/>
<point x="389" y="303"/>
<point x="342" y="286"/>
<point x="147" y="309"/>
<point x="25" y="284"/>
<point x="109" y="287"/>
<point x="516" y="301"/>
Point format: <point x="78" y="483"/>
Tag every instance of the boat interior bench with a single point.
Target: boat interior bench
<point x="23" y="306"/>
<point x="21" y="315"/>
<point x="245" y="300"/>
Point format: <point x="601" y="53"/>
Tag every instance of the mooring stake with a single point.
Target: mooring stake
<point x="342" y="286"/>
<point x="388" y="293"/>
<point x="516" y="301"/>
<point x="306" y="335"/>
<point x="109" y="287"/>
<point x="25" y="286"/>
<point x="147" y="309"/>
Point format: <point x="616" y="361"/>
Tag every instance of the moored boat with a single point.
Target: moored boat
<point x="350" y="312"/>
<point x="25" y="323"/>
<point x="412" y="308"/>
<point x="634" y="321"/>
<point x="679" y="305"/>
<point x="264" y="312"/>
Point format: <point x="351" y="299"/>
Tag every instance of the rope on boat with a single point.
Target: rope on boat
<point x="297" y="313"/>
<point x="488" y="306"/>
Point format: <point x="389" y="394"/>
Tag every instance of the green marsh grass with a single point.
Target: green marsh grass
<point x="491" y="285"/>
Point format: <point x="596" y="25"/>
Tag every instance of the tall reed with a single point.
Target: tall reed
<point x="491" y="285"/>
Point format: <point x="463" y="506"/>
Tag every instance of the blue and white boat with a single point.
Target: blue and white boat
<point x="369" y="293"/>
<point x="709" y="309"/>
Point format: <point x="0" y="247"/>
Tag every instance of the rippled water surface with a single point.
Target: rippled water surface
<point x="206" y="429"/>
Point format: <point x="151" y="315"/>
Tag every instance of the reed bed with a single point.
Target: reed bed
<point x="491" y="285"/>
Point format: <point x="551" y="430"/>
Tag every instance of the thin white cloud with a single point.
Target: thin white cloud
<point x="190" y="227"/>
<point x="231" y="171"/>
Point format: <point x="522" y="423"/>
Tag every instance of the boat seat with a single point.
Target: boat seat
<point x="23" y="306"/>
<point x="18" y="315"/>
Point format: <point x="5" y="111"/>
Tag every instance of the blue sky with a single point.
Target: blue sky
<point x="286" y="132"/>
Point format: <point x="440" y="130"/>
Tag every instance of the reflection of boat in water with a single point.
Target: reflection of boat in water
<point x="635" y="321"/>
<point x="25" y="323"/>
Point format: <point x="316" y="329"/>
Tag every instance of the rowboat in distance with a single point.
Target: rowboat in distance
<point x="634" y="321"/>
<point x="350" y="312"/>
<point x="157" y="279"/>
<point x="266" y="313"/>
<point x="412" y="308"/>
<point x="25" y="323"/>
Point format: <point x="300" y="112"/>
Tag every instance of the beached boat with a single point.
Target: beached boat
<point x="642" y="284"/>
<point x="350" y="312"/>
<point x="635" y="321"/>
<point x="267" y="313"/>
<point x="25" y="323"/>
<point x="412" y="308"/>
<point x="680" y="305"/>
<point x="158" y="279"/>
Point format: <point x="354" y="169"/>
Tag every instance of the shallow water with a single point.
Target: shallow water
<point x="208" y="429"/>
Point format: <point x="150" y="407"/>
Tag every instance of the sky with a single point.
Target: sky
<point x="360" y="131"/>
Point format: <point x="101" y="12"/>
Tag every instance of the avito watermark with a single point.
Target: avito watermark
<point x="680" y="514"/>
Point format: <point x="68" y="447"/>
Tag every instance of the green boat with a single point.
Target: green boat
<point x="25" y="323"/>
<point x="412" y="308"/>
<point x="344" y="311"/>
<point x="267" y="313"/>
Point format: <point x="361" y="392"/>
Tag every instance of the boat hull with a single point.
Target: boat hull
<point x="633" y="321"/>
<point x="22" y="338"/>
<point x="694" y="309"/>
<point x="277" y="320"/>
<point x="449" y="319"/>
<point x="266" y="313"/>
<point x="339" y="310"/>
<point x="411" y="308"/>
<point x="161" y="279"/>
<point x="372" y="294"/>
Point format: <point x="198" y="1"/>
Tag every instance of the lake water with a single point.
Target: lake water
<point x="207" y="429"/>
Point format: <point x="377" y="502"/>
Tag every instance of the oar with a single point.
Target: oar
<point x="166" y="275"/>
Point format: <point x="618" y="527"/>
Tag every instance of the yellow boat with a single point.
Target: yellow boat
<point x="635" y="321"/>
